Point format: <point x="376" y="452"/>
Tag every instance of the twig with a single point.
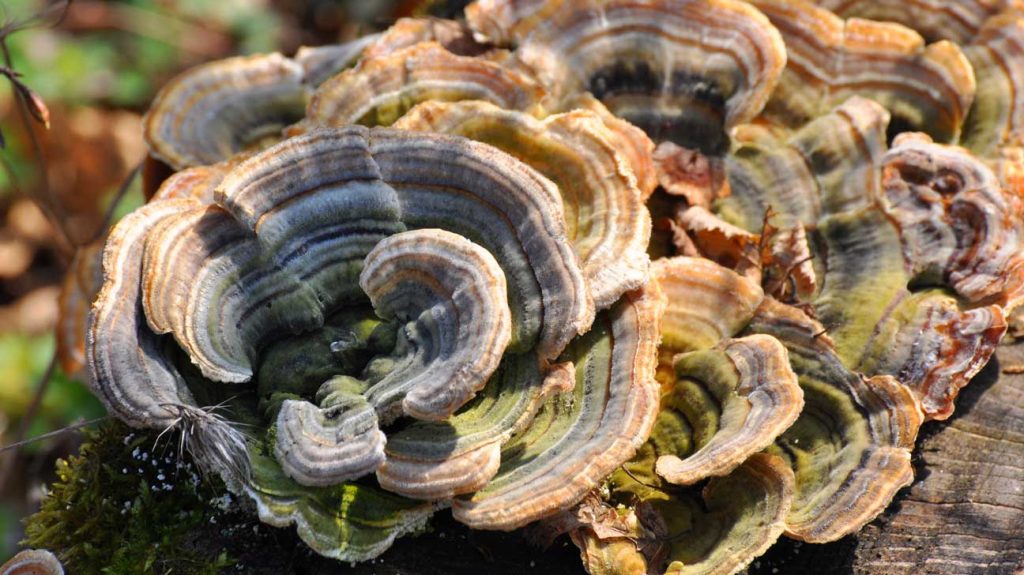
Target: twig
<point x="108" y="217"/>
<point x="54" y="433"/>
<point x="26" y="103"/>
<point x="30" y="413"/>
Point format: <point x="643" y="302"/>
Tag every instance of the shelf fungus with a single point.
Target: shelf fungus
<point x="935" y="19"/>
<point x="347" y="521"/>
<point x="380" y="90"/>
<point x="705" y="303"/>
<point x="874" y="317"/>
<point x="604" y="213"/>
<point x="81" y="284"/>
<point x="735" y="400"/>
<point x="32" y="562"/>
<point x="419" y="270"/>
<point x="830" y="165"/>
<point x="581" y="435"/>
<point x="717" y="530"/>
<point x="211" y="112"/>
<point x="850" y="446"/>
<point x="926" y="88"/>
<point x="453" y="36"/>
<point x="682" y="70"/>
<point x="996" y="120"/>
<point x="957" y="224"/>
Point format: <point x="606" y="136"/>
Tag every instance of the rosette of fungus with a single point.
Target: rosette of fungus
<point x="358" y="325"/>
<point x="475" y="289"/>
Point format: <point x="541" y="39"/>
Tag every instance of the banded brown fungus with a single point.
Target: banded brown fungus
<point x="380" y="90"/>
<point x="850" y="446"/>
<point x="736" y="399"/>
<point x="926" y="88"/>
<point x="212" y="112"/>
<point x="935" y="19"/>
<point x="682" y="70"/>
<point x="604" y="214"/>
<point x="32" y="562"/>
<point x="716" y="530"/>
<point x="997" y="116"/>
<point x="581" y="435"/>
<point x="830" y="165"/>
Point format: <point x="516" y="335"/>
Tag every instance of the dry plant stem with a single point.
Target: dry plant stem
<point x="122" y="191"/>
<point x="198" y="40"/>
<point x="30" y="413"/>
<point x="64" y="244"/>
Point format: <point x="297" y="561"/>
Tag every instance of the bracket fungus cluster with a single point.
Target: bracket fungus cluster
<point x="419" y="271"/>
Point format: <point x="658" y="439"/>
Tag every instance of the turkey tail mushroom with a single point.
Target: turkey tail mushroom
<point x="380" y="90"/>
<point x="926" y="88"/>
<point x="581" y="435"/>
<point x="682" y="70"/>
<point x="211" y="112"/>
<point x="32" y="562"/>
<point x="605" y="217"/>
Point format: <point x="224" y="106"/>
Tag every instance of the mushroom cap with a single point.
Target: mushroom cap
<point x="581" y="435"/>
<point x="211" y="112"/>
<point x="957" y="224"/>
<point x="380" y="90"/>
<point x="682" y="70"/>
<point x="335" y="441"/>
<point x="439" y="460"/>
<point x="127" y="368"/>
<point x="197" y="183"/>
<point x="997" y="55"/>
<point x="508" y="22"/>
<point x="454" y="36"/>
<point x="850" y="447"/>
<point x="934" y="346"/>
<point x="830" y="165"/>
<point x="927" y="88"/>
<point x="32" y="562"/>
<point x="81" y="283"/>
<point x="736" y="399"/>
<point x="934" y="19"/>
<point x="717" y="530"/>
<point x="452" y="293"/>
<point x="705" y="303"/>
<point x="605" y="217"/>
<point x="349" y="522"/>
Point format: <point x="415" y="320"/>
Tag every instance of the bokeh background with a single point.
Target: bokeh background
<point x="95" y="66"/>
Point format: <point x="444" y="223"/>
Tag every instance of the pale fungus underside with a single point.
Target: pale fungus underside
<point x="357" y="326"/>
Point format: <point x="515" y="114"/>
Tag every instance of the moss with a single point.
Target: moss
<point x="122" y="506"/>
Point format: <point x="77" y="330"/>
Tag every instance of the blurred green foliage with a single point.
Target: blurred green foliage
<point x="123" y="61"/>
<point x="23" y="359"/>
